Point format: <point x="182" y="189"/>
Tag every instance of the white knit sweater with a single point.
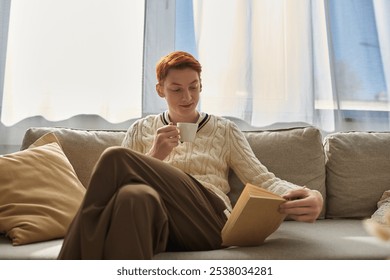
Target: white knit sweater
<point x="218" y="146"/>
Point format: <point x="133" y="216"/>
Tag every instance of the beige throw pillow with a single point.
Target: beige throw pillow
<point x="357" y="172"/>
<point x="40" y="192"/>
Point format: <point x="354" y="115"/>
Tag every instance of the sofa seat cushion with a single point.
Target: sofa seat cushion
<point x="324" y="240"/>
<point x="46" y="250"/>
<point x="357" y="172"/>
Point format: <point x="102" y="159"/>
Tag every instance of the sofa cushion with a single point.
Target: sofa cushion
<point x="40" y="192"/>
<point x="295" y="155"/>
<point x="326" y="239"/>
<point x="358" y="165"/>
<point x="82" y="147"/>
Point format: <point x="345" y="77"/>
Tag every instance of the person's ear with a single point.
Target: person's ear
<point x="160" y="90"/>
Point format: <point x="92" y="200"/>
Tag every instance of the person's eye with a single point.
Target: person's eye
<point x="176" y="89"/>
<point x="194" y="87"/>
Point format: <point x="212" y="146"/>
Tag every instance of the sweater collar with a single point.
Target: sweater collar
<point x="202" y="120"/>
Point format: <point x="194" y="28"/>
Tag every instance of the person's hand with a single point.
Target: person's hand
<point x="302" y="205"/>
<point x="167" y="138"/>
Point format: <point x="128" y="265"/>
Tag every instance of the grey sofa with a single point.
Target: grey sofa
<point x="350" y="169"/>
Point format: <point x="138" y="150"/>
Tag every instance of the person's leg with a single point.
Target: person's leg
<point x="139" y="224"/>
<point x="132" y="225"/>
<point x="195" y="214"/>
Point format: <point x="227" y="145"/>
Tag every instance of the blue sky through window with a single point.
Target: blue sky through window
<point x="184" y="32"/>
<point x="359" y="69"/>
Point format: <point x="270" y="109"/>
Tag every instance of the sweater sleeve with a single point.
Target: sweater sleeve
<point x="128" y="140"/>
<point x="133" y="136"/>
<point x="248" y="167"/>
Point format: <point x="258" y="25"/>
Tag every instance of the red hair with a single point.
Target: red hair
<point x="176" y="60"/>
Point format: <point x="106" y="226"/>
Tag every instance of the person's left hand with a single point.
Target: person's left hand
<point x="302" y="205"/>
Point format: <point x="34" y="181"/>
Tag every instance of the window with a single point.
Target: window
<point x="267" y="61"/>
<point x="74" y="57"/>
<point x="357" y="58"/>
<point x="358" y="65"/>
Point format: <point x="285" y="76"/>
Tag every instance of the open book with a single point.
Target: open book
<point x="254" y="217"/>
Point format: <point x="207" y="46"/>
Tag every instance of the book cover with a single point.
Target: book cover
<point x="254" y="217"/>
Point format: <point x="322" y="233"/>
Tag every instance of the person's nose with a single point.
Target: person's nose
<point x="187" y="95"/>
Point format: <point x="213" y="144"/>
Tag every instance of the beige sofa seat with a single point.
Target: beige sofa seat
<point x="323" y="240"/>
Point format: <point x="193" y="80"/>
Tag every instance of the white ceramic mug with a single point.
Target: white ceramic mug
<point x="187" y="131"/>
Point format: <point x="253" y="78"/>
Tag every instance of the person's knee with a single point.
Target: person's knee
<point x="119" y="154"/>
<point x="112" y="153"/>
<point x="138" y="194"/>
<point x="114" y="156"/>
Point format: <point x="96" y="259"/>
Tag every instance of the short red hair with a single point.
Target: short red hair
<point x="176" y="60"/>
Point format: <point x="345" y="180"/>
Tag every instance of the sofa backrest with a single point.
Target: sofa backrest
<point x="294" y="154"/>
<point x="82" y="147"/>
<point x="350" y="169"/>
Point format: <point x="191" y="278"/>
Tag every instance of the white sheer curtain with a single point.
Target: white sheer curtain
<point x="323" y="62"/>
<point x="382" y="12"/>
<point x="264" y="61"/>
<point x="74" y="57"/>
<point x="261" y="57"/>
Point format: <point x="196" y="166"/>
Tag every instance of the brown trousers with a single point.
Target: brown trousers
<point x="137" y="206"/>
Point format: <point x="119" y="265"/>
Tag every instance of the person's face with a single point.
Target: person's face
<point x="181" y="89"/>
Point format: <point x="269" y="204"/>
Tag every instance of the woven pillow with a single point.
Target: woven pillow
<point x="383" y="212"/>
<point x="357" y="172"/>
<point x="40" y="192"/>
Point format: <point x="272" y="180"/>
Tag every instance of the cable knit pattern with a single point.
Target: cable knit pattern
<point x="218" y="146"/>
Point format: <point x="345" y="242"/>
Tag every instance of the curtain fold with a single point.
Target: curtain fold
<point x="223" y="47"/>
<point x="159" y="40"/>
<point x="282" y="62"/>
<point x="5" y="6"/>
<point x="325" y="93"/>
<point x="382" y="12"/>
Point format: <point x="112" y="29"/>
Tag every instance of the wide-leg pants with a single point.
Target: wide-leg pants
<point x="136" y="206"/>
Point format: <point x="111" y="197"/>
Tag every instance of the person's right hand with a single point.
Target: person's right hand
<point x="167" y="138"/>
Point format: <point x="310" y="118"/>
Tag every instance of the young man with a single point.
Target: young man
<point x="157" y="194"/>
